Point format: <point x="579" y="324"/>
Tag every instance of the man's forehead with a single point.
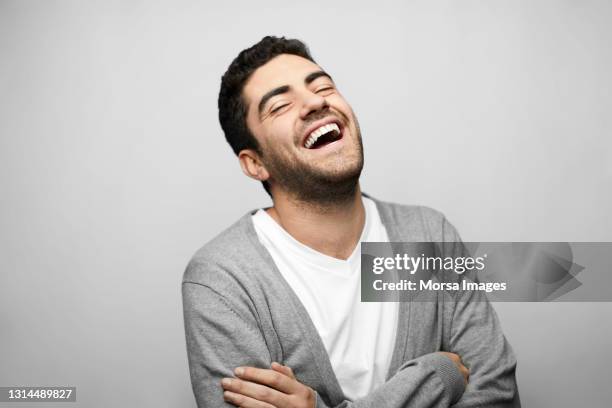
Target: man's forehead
<point x="279" y="71"/>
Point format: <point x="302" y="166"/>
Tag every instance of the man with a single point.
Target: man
<point x="273" y="316"/>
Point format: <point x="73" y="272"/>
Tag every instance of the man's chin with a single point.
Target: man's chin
<point x="338" y="169"/>
<point x="340" y="178"/>
<point x="325" y="188"/>
<point x="323" y="182"/>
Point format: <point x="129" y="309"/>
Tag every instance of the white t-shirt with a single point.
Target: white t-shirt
<point x="359" y="337"/>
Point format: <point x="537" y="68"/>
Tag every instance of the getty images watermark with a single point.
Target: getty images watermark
<point x="497" y="271"/>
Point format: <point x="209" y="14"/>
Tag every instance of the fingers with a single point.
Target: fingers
<point x="271" y="378"/>
<point x="243" y="401"/>
<point x="243" y="391"/>
<point x="465" y="372"/>
<point x="267" y="388"/>
<point x="283" y="369"/>
<point x="455" y="357"/>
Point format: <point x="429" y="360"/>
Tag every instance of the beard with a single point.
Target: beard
<point x="317" y="186"/>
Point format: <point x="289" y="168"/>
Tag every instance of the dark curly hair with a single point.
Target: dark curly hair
<point x="232" y="108"/>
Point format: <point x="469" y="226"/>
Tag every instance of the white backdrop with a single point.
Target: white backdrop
<point x="114" y="170"/>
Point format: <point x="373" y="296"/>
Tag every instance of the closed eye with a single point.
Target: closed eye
<point x="278" y="108"/>
<point x="327" y="88"/>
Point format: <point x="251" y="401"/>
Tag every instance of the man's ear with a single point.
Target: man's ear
<point x="252" y="165"/>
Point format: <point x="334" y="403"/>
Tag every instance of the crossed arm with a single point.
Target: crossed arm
<point x="277" y="387"/>
<point x="219" y="341"/>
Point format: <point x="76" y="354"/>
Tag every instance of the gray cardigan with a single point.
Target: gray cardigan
<point x="240" y="311"/>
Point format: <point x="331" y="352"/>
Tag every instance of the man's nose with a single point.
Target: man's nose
<point x="312" y="103"/>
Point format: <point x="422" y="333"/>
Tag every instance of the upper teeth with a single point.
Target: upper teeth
<point x="317" y="133"/>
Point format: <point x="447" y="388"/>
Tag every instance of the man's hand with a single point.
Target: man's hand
<point x="457" y="360"/>
<point x="263" y="388"/>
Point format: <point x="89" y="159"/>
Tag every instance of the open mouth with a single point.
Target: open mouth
<point x="323" y="136"/>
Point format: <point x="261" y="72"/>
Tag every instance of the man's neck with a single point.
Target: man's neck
<point x="332" y="229"/>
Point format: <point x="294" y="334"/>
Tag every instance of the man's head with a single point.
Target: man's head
<point x="288" y="124"/>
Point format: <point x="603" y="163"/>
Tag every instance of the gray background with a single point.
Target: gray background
<point x="113" y="168"/>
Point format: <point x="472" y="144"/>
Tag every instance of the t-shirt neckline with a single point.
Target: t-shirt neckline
<point x="310" y="255"/>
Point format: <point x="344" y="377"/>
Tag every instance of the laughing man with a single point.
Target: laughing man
<point x="272" y="307"/>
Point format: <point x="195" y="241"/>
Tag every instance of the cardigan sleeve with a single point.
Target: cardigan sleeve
<point x="219" y="338"/>
<point x="476" y="335"/>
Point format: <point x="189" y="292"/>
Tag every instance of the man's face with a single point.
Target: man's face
<point x="309" y="137"/>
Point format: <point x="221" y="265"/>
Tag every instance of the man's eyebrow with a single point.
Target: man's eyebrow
<point x="311" y="77"/>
